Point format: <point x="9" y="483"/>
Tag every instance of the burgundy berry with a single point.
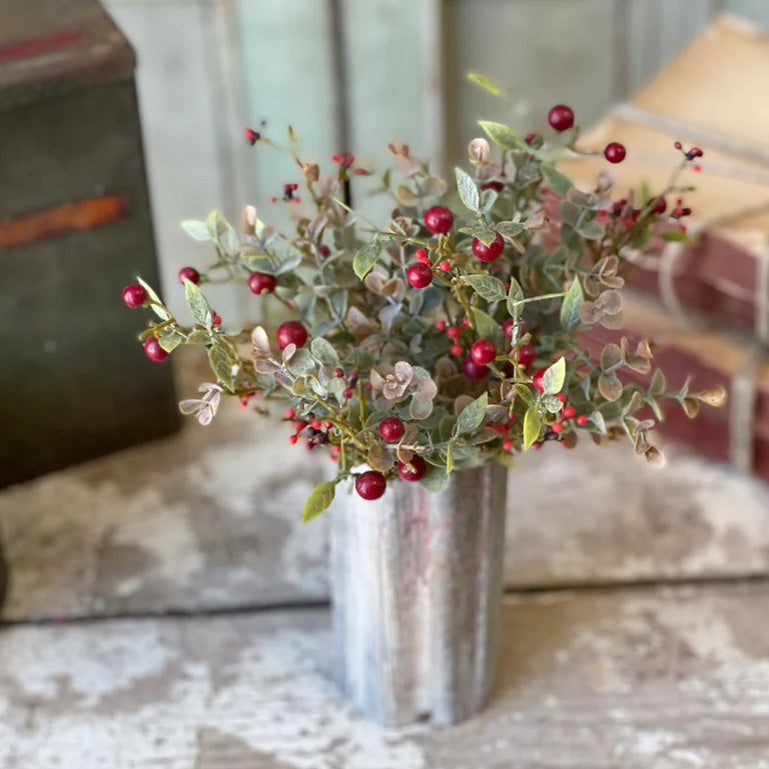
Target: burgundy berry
<point x="615" y="152"/>
<point x="391" y="429"/>
<point x="153" y="349"/>
<point x="419" y="465"/>
<point x="291" y="332"/>
<point x="526" y="354"/>
<point x="491" y="252"/>
<point x="483" y="351"/>
<point x="494" y="184"/>
<point x="260" y="281"/>
<point x="419" y="275"/>
<point x="561" y="117"/>
<point x="134" y="295"/>
<point x="474" y="370"/>
<point x="659" y="205"/>
<point x="189" y="273"/>
<point x="537" y="379"/>
<point x="370" y="485"/>
<point x="581" y="420"/>
<point x="438" y="219"/>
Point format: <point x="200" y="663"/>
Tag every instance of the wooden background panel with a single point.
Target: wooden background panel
<point x="184" y="125"/>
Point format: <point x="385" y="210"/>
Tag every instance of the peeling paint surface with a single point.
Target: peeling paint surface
<point x="626" y="678"/>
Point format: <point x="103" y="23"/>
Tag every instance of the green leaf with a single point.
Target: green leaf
<point x="198" y="336"/>
<point x="471" y="417"/>
<point x="324" y="352"/>
<point x="366" y="258"/>
<point x="658" y="384"/>
<point x="570" y="305"/>
<point x="554" y="377"/>
<point x="502" y="135"/>
<point x="319" y="500"/>
<point x="532" y="425"/>
<point x="485" y="82"/>
<point x="676" y="236"/>
<point x="434" y="480"/>
<point x="197" y="230"/>
<point x="301" y="362"/>
<point x="490" y="288"/>
<point x="514" y="298"/>
<point x="484" y="232"/>
<point x="199" y="307"/>
<point x="559" y="182"/>
<point x="221" y="365"/>
<point x="170" y="338"/>
<point x="468" y="190"/>
<point x="157" y="307"/>
<point x="449" y="457"/>
<point x="488" y="328"/>
<point x="591" y="230"/>
<point x="509" y="229"/>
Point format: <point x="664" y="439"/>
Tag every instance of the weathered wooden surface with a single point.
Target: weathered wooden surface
<point x="625" y="679"/>
<point x="210" y="518"/>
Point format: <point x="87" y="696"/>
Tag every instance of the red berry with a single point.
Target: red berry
<point x="530" y="137"/>
<point x="348" y="393"/>
<point x="568" y="412"/>
<point x="474" y="370"/>
<point x="445" y="265"/>
<point x="216" y="319"/>
<point x="452" y="331"/>
<point x="457" y="349"/>
<point x="561" y="117"/>
<point x="677" y="145"/>
<point x="153" y="349"/>
<point x="509" y="325"/>
<point x="495" y="185"/>
<point x="615" y="152"/>
<point x="339" y="372"/>
<point x="419" y="465"/>
<point x="483" y="351"/>
<point x="134" y="295"/>
<point x="289" y="413"/>
<point x="392" y="429"/>
<point x="324" y="250"/>
<point x="370" y="485"/>
<point x="556" y="427"/>
<point x="316" y="424"/>
<point x="440" y="325"/>
<point x="659" y="205"/>
<point x="526" y="354"/>
<point x="581" y="420"/>
<point x="419" y="275"/>
<point x="422" y="256"/>
<point x="492" y="251"/>
<point x="292" y="439"/>
<point x="260" y="281"/>
<point x="189" y="273"/>
<point x="291" y="332"/>
<point x="299" y="425"/>
<point x="508" y="445"/>
<point x="696" y="152"/>
<point x="561" y="397"/>
<point x="537" y="379"/>
<point x="438" y="219"/>
<point x="252" y="137"/>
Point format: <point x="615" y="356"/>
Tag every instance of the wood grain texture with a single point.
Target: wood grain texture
<point x="630" y="679"/>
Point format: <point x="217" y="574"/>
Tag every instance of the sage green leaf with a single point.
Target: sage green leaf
<point x="221" y="365"/>
<point x="532" y="425"/>
<point x="468" y="190"/>
<point x="514" y="298"/>
<point x="301" y="362"/>
<point x="554" y="377"/>
<point x="434" y="480"/>
<point x="199" y="307"/>
<point x="324" y="352"/>
<point x="319" y="500"/>
<point x="610" y="386"/>
<point x="502" y="135"/>
<point x="157" y="307"/>
<point x="552" y="403"/>
<point x="449" y="457"/>
<point x="366" y="258"/>
<point x="570" y="305"/>
<point x="611" y="357"/>
<point x="524" y="393"/>
<point x="170" y="338"/>
<point x="658" y="383"/>
<point x="598" y="420"/>
<point x="677" y="236"/>
<point x="488" y="328"/>
<point x="591" y="230"/>
<point x="509" y="229"/>
<point x="197" y="230"/>
<point x="484" y="232"/>
<point x="490" y="288"/>
<point x="471" y="417"/>
<point x="485" y="82"/>
<point x="560" y="183"/>
<point x="198" y="336"/>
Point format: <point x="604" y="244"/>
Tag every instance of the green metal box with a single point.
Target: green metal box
<point x="75" y="228"/>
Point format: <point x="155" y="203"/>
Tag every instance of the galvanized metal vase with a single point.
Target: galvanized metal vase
<point x="416" y="584"/>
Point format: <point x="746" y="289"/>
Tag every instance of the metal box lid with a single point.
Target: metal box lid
<point x="48" y="49"/>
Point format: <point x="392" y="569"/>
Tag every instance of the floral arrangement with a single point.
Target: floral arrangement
<point x="447" y="337"/>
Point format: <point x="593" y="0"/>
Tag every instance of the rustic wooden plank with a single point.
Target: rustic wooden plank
<point x="668" y="678"/>
<point x="180" y="95"/>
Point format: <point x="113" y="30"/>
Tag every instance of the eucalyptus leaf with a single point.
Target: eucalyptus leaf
<point x="490" y="288"/>
<point x="468" y="190"/>
<point x="197" y="230"/>
<point x="324" y="352"/>
<point x="571" y="304"/>
<point x="560" y="183"/>
<point x="366" y="257"/>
